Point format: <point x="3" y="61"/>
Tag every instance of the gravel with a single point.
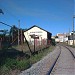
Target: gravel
<point x="65" y="64"/>
<point x="43" y="66"/>
<point x="72" y="50"/>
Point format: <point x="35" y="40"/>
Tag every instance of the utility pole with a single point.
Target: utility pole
<point x="34" y="43"/>
<point x="69" y="30"/>
<point x="12" y="34"/>
<point x="21" y="38"/>
<point x="73" y="29"/>
<point x="18" y="32"/>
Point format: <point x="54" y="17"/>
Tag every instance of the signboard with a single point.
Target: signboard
<point x="34" y="36"/>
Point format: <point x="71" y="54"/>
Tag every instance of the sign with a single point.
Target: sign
<point x="34" y="36"/>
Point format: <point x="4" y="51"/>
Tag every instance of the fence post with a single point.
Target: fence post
<point x="0" y="43"/>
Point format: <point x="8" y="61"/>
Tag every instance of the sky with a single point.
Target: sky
<point x="55" y="16"/>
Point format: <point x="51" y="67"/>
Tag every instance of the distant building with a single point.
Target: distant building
<point x="61" y="37"/>
<point x="57" y="40"/>
<point x="38" y="34"/>
<point x="71" y="37"/>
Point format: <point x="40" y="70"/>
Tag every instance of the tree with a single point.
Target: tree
<point x="14" y="34"/>
<point x="56" y="36"/>
<point x="13" y="30"/>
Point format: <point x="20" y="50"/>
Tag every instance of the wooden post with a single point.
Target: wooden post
<point x="34" y="44"/>
<point x="12" y="34"/>
<point x="18" y="32"/>
<point x="21" y="38"/>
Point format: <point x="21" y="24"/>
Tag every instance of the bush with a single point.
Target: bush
<point x="10" y="64"/>
<point x="53" y="42"/>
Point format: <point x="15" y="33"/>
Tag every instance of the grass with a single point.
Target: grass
<point x="72" y="46"/>
<point x="40" y="55"/>
<point x="20" y="61"/>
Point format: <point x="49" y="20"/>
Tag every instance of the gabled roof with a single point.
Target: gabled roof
<point x="37" y="27"/>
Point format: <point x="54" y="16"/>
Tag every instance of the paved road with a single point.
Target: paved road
<point x="65" y="65"/>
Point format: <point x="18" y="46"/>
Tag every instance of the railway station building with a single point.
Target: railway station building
<point x="37" y="34"/>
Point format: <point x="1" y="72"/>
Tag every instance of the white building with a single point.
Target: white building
<point x="71" y="37"/>
<point x="57" y="40"/>
<point x="37" y="33"/>
<point x="61" y="37"/>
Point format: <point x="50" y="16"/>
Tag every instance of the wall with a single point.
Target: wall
<point x="37" y="31"/>
<point x="70" y="42"/>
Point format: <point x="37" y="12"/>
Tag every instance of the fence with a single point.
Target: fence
<point x="37" y="45"/>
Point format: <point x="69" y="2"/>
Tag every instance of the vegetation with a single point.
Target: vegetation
<point x="20" y="61"/>
<point x="53" y="42"/>
<point x="72" y="46"/>
<point x="12" y="58"/>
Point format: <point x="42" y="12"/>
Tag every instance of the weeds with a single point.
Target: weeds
<point x="20" y="62"/>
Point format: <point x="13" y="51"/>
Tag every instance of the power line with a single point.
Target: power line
<point x="8" y="12"/>
<point x="5" y="24"/>
<point x="1" y="11"/>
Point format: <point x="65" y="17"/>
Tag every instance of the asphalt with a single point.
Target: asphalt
<point x="65" y="64"/>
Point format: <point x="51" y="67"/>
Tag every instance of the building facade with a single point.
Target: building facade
<point x="71" y="38"/>
<point x="62" y="37"/>
<point x="37" y="34"/>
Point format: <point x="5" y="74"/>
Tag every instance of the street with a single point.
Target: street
<point x="65" y="64"/>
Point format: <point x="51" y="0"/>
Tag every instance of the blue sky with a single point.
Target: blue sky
<point x="54" y="16"/>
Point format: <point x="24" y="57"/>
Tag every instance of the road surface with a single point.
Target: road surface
<point x="65" y="64"/>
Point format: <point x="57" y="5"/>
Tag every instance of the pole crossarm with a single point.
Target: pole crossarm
<point x="73" y="16"/>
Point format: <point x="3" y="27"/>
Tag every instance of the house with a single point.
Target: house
<point x="57" y="40"/>
<point x="37" y="34"/>
<point x="71" y="37"/>
<point x="61" y="37"/>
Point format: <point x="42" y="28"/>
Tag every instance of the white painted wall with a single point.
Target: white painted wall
<point x="37" y="31"/>
<point x="57" y="40"/>
<point x="70" y="42"/>
<point x="65" y="39"/>
<point x="62" y="37"/>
